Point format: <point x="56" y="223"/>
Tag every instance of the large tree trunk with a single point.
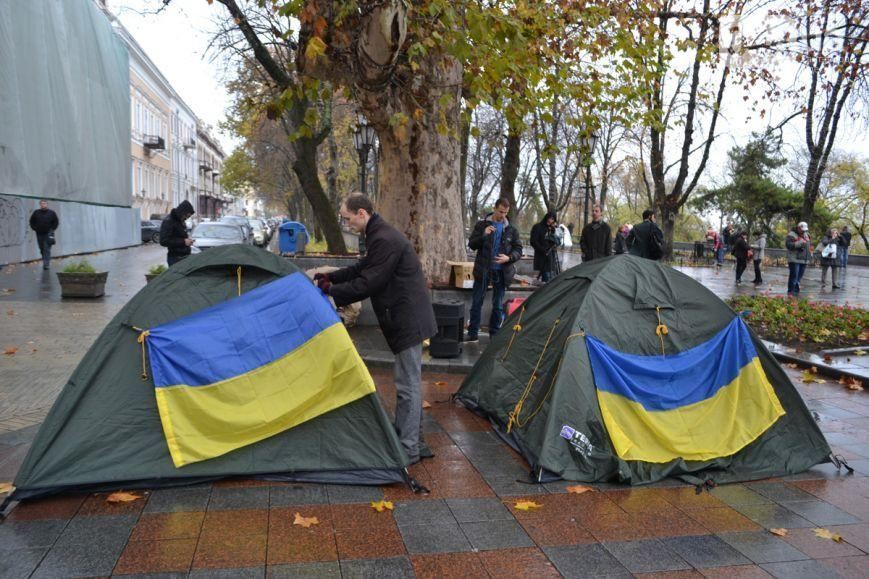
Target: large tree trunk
<point x="510" y="167"/>
<point x="420" y="167"/>
<point x="324" y="211"/>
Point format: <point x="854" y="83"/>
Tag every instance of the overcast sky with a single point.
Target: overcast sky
<point x="177" y="38"/>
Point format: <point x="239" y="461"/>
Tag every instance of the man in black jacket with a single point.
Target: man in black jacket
<point x="646" y="239"/>
<point x="173" y="233"/>
<point x="44" y="221"/>
<point x="498" y="248"/>
<point x="544" y="242"/>
<point x="596" y="239"/>
<point x="391" y="275"/>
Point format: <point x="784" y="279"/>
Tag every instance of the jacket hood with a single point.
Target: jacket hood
<point x="489" y="218"/>
<point x="185" y="208"/>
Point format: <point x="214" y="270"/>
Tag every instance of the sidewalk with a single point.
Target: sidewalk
<point x="467" y="527"/>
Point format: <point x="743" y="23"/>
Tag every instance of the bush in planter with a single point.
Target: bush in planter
<point x="154" y="271"/>
<point x="80" y="280"/>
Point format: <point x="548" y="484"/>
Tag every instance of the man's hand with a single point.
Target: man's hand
<point x="502" y="259"/>
<point x="188" y="242"/>
<point x="489" y="230"/>
<point x="323" y="282"/>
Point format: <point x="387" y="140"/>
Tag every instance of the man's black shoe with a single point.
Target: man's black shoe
<point x="472" y="338"/>
<point x="425" y="451"/>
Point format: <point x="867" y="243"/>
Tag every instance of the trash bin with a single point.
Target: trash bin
<point x="699" y="249"/>
<point x="450" y="318"/>
<point x="293" y="237"/>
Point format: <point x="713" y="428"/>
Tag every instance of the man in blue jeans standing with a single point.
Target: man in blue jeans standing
<point x="498" y="248"/>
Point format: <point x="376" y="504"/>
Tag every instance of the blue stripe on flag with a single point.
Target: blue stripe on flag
<point x="667" y="382"/>
<point x="239" y="335"/>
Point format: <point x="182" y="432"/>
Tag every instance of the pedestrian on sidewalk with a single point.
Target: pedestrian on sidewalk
<point x="799" y="246"/>
<point x="498" y="247"/>
<point x="646" y="239"/>
<point x="759" y="249"/>
<point x="545" y="243"/>
<point x="829" y="256"/>
<point x="716" y="246"/>
<point x="742" y="252"/>
<point x="44" y="222"/>
<point x="844" y="246"/>
<point x="596" y="238"/>
<point x="390" y="273"/>
<point x="174" y="235"/>
<point x="620" y="241"/>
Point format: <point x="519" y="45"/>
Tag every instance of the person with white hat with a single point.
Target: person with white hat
<point x="799" y="248"/>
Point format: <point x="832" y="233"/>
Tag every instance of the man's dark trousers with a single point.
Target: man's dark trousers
<point x="44" y="248"/>
<point x="496" y="276"/>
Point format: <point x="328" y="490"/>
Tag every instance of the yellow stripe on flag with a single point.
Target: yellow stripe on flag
<point x="202" y="422"/>
<point x="719" y="426"/>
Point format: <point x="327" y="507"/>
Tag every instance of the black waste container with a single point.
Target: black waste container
<point x="699" y="249"/>
<point x="450" y="318"/>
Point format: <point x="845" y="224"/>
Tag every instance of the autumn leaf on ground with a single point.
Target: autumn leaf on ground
<point x="779" y="532"/>
<point x="828" y="358"/>
<point x="426" y="404"/>
<point x="305" y="521"/>
<point x="440" y="383"/>
<point x="381" y="506"/>
<point x="578" y="489"/>
<point x="854" y="384"/>
<point x="859" y="352"/>
<point x="10" y="312"/>
<point x="6" y="488"/>
<point x="809" y="377"/>
<point x="813" y="369"/>
<point x="122" y="497"/>
<point x="526" y="505"/>
<point x="825" y="534"/>
<point x="10" y="351"/>
<point x="792" y="365"/>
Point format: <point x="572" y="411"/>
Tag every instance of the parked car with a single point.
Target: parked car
<point x="207" y="235"/>
<point x="151" y="231"/>
<point x="241" y="222"/>
<point x="260" y="237"/>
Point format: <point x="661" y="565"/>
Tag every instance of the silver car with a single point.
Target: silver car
<point x="207" y="235"/>
<point x="241" y="222"/>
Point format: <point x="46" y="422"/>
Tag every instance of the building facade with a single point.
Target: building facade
<point x="210" y="156"/>
<point x="185" y="170"/>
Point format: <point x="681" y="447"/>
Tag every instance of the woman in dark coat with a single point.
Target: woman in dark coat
<point x="740" y="252"/>
<point x="545" y="253"/>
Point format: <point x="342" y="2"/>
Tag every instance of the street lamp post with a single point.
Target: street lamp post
<point x="363" y="139"/>
<point x="587" y="143"/>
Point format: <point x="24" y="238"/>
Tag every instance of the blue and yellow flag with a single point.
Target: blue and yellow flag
<point x="252" y="367"/>
<point x="704" y="403"/>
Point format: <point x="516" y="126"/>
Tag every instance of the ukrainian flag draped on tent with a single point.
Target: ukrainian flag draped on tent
<point x="703" y="403"/>
<point x="252" y="367"/>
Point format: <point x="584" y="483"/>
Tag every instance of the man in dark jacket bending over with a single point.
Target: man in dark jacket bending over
<point x="173" y="233"/>
<point x="391" y="275"/>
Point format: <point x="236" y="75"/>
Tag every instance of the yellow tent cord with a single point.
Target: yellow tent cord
<point x="143" y="335"/>
<point x="238" y="273"/>
<point x="516" y="328"/>
<point x="661" y="330"/>
<point x="551" y="382"/>
<point x="517" y="410"/>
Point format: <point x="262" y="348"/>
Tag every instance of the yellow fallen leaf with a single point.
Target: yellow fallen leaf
<point x="305" y="521"/>
<point x="381" y="506"/>
<point x="526" y="505"/>
<point x="426" y="404"/>
<point x="809" y="377"/>
<point x="578" y="489"/>
<point x="10" y="351"/>
<point x="859" y="352"/>
<point x="825" y="534"/>
<point x="122" y="497"/>
<point x="6" y="488"/>
<point x="779" y="532"/>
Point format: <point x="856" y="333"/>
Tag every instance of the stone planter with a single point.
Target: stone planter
<point x="82" y="285"/>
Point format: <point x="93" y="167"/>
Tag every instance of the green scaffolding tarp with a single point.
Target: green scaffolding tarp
<point x="541" y="358"/>
<point x="104" y="430"/>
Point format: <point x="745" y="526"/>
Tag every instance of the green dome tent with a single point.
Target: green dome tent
<point x="104" y="430"/>
<point x="623" y="369"/>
